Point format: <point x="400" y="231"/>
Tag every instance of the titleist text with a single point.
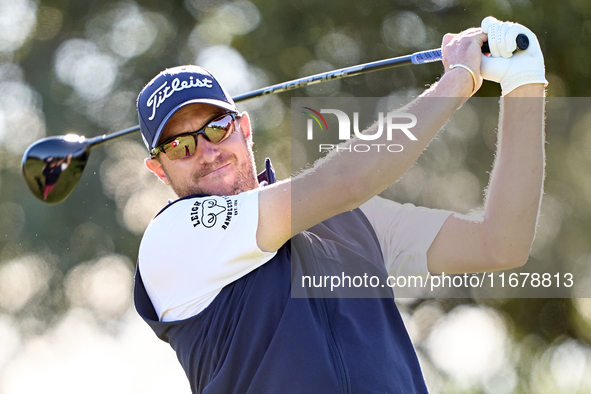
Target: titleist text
<point x="163" y="92"/>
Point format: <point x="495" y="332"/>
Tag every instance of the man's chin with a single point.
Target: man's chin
<point x="220" y="188"/>
<point x="226" y="181"/>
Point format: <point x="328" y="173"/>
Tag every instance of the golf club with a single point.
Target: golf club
<point x="53" y="166"/>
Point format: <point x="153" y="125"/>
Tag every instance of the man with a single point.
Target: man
<point x="215" y="267"/>
<point x="52" y="170"/>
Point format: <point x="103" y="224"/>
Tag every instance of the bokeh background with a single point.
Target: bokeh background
<point x="67" y="323"/>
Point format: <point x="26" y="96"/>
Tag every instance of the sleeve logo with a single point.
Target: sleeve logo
<point x="207" y="212"/>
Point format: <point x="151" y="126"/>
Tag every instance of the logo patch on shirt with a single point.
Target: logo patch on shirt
<point x="212" y="211"/>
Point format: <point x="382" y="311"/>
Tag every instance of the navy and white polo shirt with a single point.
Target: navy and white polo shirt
<point x="227" y="309"/>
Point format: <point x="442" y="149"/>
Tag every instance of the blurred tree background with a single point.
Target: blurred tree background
<point x="69" y="66"/>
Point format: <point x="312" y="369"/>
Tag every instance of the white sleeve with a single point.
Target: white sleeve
<point x="195" y="247"/>
<point x="405" y="233"/>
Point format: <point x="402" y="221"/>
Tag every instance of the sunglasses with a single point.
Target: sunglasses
<point x="184" y="145"/>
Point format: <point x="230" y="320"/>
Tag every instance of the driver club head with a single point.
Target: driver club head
<point x="53" y="166"/>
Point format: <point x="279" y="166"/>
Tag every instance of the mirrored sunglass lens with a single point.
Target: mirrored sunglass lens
<point x="217" y="130"/>
<point x="180" y="147"/>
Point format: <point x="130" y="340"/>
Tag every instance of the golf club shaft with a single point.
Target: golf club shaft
<point x="416" y="58"/>
<point x="433" y="55"/>
<point x="100" y="139"/>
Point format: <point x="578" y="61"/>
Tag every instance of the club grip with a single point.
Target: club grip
<point x="521" y="40"/>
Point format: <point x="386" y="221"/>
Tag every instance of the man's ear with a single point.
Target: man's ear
<point x="156" y="167"/>
<point x="244" y="121"/>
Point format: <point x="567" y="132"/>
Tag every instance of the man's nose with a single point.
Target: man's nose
<point x="206" y="151"/>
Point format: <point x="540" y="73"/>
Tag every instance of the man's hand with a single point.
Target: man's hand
<point x="464" y="49"/>
<point x="512" y="69"/>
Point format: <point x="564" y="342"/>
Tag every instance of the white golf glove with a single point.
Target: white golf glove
<point x="511" y="69"/>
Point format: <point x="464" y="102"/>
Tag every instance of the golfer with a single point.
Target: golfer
<point x="215" y="267"/>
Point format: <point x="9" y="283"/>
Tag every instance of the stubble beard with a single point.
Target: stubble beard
<point x="246" y="178"/>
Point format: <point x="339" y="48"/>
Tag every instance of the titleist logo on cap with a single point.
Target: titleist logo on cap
<point x="163" y="92"/>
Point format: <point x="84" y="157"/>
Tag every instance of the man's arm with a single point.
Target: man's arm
<point x="502" y="237"/>
<point x="344" y="180"/>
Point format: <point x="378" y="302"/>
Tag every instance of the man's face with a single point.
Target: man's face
<point x="226" y="168"/>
